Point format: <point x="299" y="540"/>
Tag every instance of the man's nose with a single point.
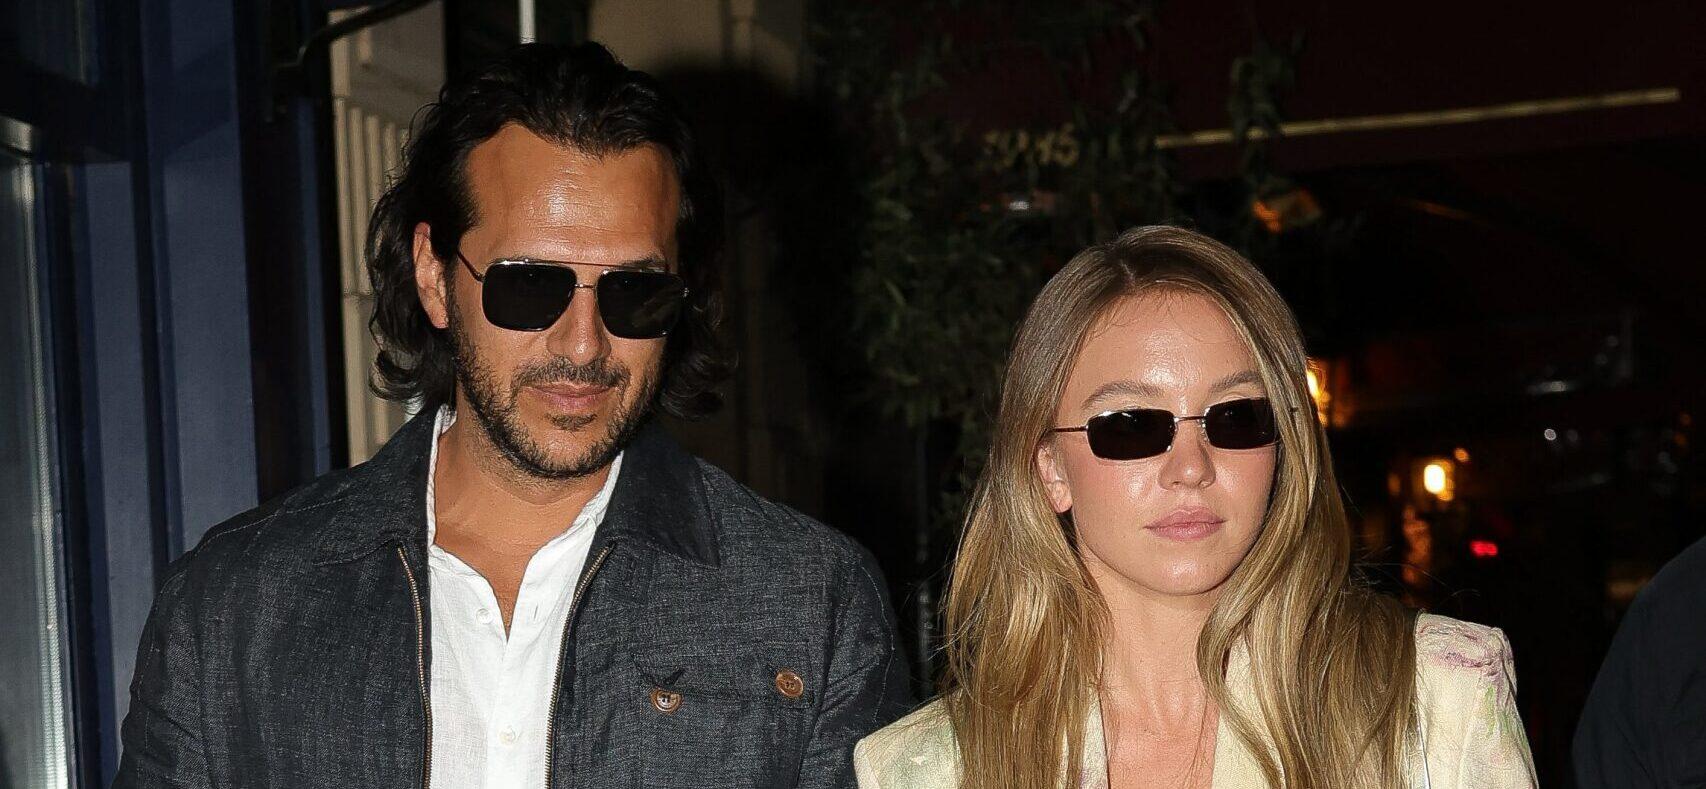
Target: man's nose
<point x="579" y="334"/>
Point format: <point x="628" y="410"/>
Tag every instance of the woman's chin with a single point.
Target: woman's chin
<point x="1183" y="579"/>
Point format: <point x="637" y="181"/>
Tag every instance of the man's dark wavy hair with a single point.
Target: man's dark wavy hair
<point x="581" y="97"/>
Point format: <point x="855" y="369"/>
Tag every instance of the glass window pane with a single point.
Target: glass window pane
<point x="34" y="713"/>
<point x="52" y="35"/>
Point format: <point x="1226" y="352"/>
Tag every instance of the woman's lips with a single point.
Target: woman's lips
<point x="1187" y="524"/>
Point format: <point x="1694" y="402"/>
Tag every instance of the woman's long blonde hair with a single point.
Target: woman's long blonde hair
<point x="1332" y="662"/>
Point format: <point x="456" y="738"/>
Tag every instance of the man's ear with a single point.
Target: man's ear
<point x="1053" y="477"/>
<point x="431" y="278"/>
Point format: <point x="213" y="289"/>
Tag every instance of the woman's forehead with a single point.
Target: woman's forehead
<point x="1163" y="340"/>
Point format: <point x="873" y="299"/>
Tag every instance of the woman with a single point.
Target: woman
<point x="1154" y="585"/>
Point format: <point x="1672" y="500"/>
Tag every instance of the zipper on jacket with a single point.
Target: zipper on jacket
<point x="562" y="658"/>
<point x="420" y="666"/>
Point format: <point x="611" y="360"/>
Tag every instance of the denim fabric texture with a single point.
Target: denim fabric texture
<point x="291" y="647"/>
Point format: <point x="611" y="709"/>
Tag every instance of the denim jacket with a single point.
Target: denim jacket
<point x="716" y="640"/>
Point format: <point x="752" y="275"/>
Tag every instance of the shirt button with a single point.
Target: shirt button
<point x="789" y="684"/>
<point x="483" y="616"/>
<point x="664" y="701"/>
<point x="508" y="736"/>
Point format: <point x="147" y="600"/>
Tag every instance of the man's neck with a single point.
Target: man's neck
<point x="477" y="489"/>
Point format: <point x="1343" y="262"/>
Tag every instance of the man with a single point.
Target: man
<point x="530" y="585"/>
<point x="1645" y="720"/>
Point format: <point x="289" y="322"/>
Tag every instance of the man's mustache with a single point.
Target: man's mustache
<point x="559" y="370"/>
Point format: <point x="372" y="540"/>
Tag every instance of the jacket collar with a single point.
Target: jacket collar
<point x="383" y="501"/>
<point x="659" y="500"/>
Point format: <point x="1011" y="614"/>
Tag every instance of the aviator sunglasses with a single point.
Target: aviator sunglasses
<point x="1137" y="433"/>
<point x="524" y="294"/>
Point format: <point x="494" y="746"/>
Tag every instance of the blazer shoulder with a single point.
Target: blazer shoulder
<point x="1453" y="654"/>
<point x="1466" y="694"/>
<point x="915" y="752"/>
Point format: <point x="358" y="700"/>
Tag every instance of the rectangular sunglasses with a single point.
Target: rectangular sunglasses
<point x="1137" y="433"/>
<point x="524" y="294"/>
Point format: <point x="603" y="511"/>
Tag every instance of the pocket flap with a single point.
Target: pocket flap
<point x="776" y="672"/>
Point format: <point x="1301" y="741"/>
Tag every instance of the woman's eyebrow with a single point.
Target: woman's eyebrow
<point x="1128" y="388"/>
<point x="1250" y="377"/>
<point x="1125" y="388"/>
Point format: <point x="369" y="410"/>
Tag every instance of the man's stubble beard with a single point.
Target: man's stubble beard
<point x="499" y="419"/>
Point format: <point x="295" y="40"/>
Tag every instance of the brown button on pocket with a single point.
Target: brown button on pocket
<point x="789" y="684"/>
<point x="665" y="701"/>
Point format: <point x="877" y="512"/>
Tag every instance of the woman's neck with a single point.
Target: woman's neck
<point x="1149" y="658"/>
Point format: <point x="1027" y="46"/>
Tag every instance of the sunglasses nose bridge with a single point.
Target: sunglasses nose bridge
<point x="1187" y="462"/>
<point x="569" y="302"/>
<point x="1200" y="419"/>
<point x="578" y="334"/>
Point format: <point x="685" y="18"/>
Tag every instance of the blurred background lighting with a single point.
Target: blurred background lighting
<point x="1286" y="210"/>
<point x="1438" y="479"/>
<point x="1483" y="549"/>
<point x="1317" y="376"/>
<point x="1433" y="478"/>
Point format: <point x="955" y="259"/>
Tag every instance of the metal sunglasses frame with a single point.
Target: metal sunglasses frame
<point x="1085" y="428"/>
<point x="480" y="277"/>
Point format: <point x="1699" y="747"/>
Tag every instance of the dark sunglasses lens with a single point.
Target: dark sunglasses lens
<point x="640" y="305"/>
<point x="1241" y="424"/>
<point x="527" y="296"/>
<point x="1130" y="435"/>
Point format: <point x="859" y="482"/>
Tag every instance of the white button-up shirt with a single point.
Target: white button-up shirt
<point x="491" y="693"/>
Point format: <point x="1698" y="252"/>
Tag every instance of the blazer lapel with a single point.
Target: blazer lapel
<point x="1234" y="764"/>
<point x="1095" y="757"/>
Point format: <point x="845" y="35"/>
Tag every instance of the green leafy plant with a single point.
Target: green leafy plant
<point x="954" y="225"/>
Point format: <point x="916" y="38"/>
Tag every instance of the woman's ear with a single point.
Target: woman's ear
<point x="430" y="278"/>
<point x="1053" y="476"/>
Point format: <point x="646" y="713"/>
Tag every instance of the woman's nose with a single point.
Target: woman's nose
<point x="1188" y="464"/>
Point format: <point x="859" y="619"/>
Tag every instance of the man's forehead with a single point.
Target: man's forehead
<point x="516" y="153"/>
<point x="520" y="180"/>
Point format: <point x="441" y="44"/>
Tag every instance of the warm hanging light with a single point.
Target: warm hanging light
<point x="1433" y="478"/>
<point x="1438" y="479"/>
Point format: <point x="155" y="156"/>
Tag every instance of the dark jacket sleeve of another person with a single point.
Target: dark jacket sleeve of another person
<point x="1645" y="720"/>
<point x="868" y="677"/>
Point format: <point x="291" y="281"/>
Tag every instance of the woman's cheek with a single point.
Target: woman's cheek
<point x="1111" y="494"/>
<point x="1247" y="483"/>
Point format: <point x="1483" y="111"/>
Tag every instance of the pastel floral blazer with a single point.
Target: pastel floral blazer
<point x="1470" y="734"/>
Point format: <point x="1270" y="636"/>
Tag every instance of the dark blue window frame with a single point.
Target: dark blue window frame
<point x="175" y="199"/>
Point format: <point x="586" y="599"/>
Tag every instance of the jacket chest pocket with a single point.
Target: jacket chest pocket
<point x="738" y="717"/>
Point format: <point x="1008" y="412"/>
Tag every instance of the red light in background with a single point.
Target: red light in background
<point x="1483" y="549"/>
